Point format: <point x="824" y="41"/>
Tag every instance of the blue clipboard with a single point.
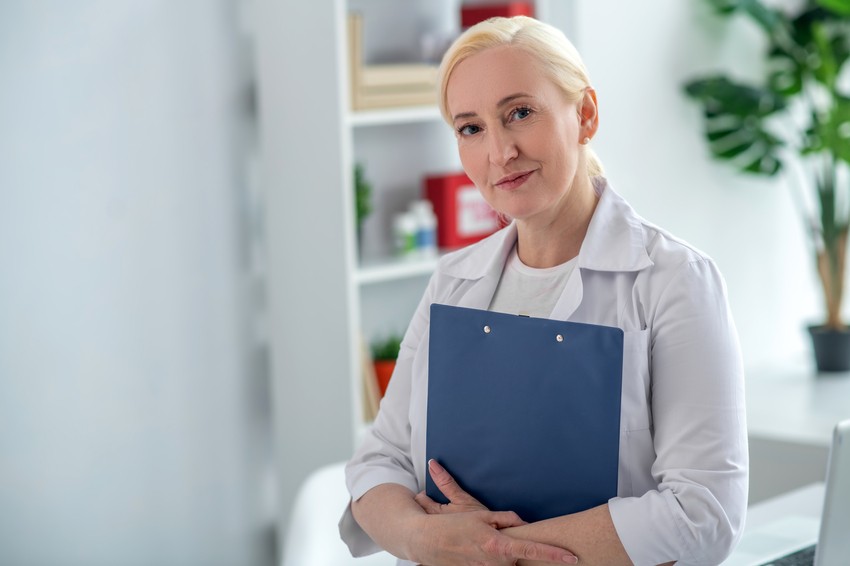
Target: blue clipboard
<point x="525" y="421"/>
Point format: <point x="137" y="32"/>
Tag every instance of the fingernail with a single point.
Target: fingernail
<point x="571" y="559"/>
<point x="433" y="465"/>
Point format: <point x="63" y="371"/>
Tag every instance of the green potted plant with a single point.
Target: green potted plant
<point x="362" y="201"/>
<point x="799" y="114"/>
<point x="384" y="356"/>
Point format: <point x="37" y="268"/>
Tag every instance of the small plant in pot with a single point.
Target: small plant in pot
<point x="384" y="356"/>
<point x="798" y="116"/>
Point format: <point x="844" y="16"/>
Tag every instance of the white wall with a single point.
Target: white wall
<point x="639" y="55"/>
<point x="133" y="418"/>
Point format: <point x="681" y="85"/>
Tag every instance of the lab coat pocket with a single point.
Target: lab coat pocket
<point x="636" y="449"/>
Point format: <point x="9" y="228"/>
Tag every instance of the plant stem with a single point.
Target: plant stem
<point x="831" y="259"/>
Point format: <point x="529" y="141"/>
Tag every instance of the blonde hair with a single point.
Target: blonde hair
<point x="557" y="57"/>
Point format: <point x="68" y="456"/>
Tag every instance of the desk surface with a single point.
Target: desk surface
<point x="779" y="525"/>
<point x="789" y="402"/>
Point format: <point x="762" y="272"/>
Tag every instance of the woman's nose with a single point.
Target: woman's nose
<point x="502" y="148"/>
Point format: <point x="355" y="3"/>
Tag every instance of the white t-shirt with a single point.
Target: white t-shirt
<point x="530" y="291"/>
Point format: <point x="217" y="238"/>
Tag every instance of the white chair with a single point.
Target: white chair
<point x="312" y="538"/>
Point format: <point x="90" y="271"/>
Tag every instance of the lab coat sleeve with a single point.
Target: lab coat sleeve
<point x="699" y="429"/>
<point x="384" y="454"/>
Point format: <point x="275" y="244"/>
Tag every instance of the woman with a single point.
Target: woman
<point x="520" y="101"/>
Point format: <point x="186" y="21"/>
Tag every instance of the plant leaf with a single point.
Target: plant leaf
<point x="720" y="96"/>
<point x="832" y="132"/>
<point x="768" y="18"/>
<point x="765" y="164"/>
<point x="736" y="123"/>
<point x="717" y="134"/>
<point x="786" y="76"/>
<point x="838" y="6"/>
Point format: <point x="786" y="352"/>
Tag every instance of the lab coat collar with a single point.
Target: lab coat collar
<point x="614" y="242"/>
<point x="486" y="257"/>
<point x="482" y="263"/>
<point x="615" y="236"/>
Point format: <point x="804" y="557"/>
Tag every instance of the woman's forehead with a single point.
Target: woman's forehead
<point x="482" y="80"/>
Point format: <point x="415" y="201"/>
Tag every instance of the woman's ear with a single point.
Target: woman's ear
<point x="588" y="112"/>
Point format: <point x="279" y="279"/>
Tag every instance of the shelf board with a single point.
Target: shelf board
<point x="404" y="115"/>
<point x="393" y="268"/>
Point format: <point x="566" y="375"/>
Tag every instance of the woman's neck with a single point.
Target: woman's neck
<point x="555" y="237"/>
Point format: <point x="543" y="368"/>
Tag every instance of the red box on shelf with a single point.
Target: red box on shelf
<point x="463" y="216"/>
<point x="471" y="15"/>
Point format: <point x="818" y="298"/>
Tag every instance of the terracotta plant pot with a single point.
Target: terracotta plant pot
<point x="384" y="370"/>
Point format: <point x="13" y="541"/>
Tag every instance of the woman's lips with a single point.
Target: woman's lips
<point x="514" y="180"/>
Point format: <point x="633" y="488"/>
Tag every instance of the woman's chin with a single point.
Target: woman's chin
<point x="515" y="213"/>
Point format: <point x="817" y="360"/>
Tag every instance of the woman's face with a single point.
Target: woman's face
<point x="519" y="139"/>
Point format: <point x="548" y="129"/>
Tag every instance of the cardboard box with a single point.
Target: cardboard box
<point x="463" y="216"/>
<point x="471" y="15"/>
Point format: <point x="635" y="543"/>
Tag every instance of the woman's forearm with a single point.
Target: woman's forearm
<point x="387" y="513"/>
<point x="590" y="535"/>
<point x="395" y="521"/>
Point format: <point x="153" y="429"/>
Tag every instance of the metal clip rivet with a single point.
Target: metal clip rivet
<point x="486" y="330"/>
<point x="559" y="338"/>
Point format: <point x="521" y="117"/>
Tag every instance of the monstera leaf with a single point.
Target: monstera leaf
<point x="841" y="7"/>
<point x="768" y="18"/>
<point x="736" y="123"/>
<point x="831" y="132"/>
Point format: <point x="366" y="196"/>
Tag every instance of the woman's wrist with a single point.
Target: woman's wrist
<point x="391" y="518"/>
<point x="415" y="540"/>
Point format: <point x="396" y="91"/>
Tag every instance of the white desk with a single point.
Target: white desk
<point x="791" y="414"/>
<point x="775" y="525"/>
<point x="791" y="403"/>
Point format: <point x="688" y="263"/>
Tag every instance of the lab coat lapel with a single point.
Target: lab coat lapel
<point x="480" y="293"/>
<point x="570" y="297"/>
<point x="480" y="266"/>
<point x="613" y="243"/>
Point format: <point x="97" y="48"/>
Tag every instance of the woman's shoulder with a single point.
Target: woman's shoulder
<point x="668" y="250"/>
<point x="621" y="239"/>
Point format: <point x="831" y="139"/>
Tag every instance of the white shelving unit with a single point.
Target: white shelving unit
<point x="323" y="300"/>
<point x="390" y="269"/>
<point x="409" y="115"/>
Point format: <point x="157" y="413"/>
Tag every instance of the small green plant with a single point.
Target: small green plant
<point x="386" y="348"/>
<point x="799" y="115"/>
<point x="362" y="196"/>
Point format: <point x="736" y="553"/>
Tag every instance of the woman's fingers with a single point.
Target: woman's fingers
<point x="448" y="486"/>
<point x="503" y="546"/>
<point x="510" y="548"/>
<point x="429" y="505"/>
<point x="505" y="519"/>
<point x="456" y="538"/>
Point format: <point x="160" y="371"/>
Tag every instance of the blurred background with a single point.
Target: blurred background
<point x="182" y="299"/>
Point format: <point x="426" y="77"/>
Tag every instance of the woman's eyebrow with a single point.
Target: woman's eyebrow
<point x="464" y="115"/>
<point x="511" y="97"/>
<point x="503" y="102"/>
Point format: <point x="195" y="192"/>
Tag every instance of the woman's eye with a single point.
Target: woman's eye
<point x="468" y="130"/>
<point x="521" y="113"/>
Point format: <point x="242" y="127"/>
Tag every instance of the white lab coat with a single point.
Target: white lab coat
<point x="683" y="468"/>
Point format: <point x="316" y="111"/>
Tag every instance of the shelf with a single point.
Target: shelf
<point x="391" y="268"/>
<point x="406" y="115"/>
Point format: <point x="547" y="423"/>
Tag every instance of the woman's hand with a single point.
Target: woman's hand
<point x="459" y="500"/>
<point x="465" y="532"/>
